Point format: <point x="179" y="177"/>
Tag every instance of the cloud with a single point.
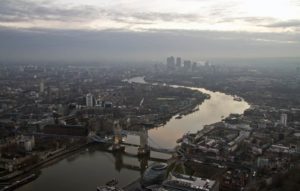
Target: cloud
<point x="207" y="15"/>
<point x="285" y="24"/>
<point x="221" y="11"/>
<point x="165" y="16"/>
<point x="16" y="11"/>
<point x="21" y="11"/>
<point x="295" y="2"/>
<point x="251" y="20"/>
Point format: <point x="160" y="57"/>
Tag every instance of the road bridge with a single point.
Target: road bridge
<point x="143" y="147"/>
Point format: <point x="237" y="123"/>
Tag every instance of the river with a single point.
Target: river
<point x="87" y="169"/>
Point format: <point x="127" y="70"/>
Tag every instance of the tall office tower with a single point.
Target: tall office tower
<point x="178" y="62"/>
<point x="194" y="66"/>
<point x="187" y="64"/>
<point x="283" y="119"/>
<point x="89" y="100"/>
<point x="171" y="62"/>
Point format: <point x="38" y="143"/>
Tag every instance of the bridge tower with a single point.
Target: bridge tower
<point x="144" y="148"/>
<point x="118" y="136"/>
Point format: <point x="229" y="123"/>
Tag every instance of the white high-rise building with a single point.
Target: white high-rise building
<point x="89" y="100"/>
<point x="283" y="119"/>
<point x="98" y="103"/>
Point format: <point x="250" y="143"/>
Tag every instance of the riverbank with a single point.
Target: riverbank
<point x="16" y="176"/>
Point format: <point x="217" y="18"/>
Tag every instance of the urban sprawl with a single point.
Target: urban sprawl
<point x="51" y="111"/>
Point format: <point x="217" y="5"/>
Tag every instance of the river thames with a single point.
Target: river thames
<point x="90" y="168"/>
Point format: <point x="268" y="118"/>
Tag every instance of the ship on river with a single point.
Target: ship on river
<point x="178" y="117"/>
<point x="236" y="98"/>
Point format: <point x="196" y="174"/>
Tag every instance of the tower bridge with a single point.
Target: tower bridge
<point x="143" y="147"/>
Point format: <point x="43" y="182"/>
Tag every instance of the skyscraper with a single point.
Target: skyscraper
<point x="89" y="100"/>
<point x="171" y="62"/>
<point x="283" y="119"/>
<point x="42" y="87"/>
<point x="194" y="66"/>
<point x="178" y="62"/>
<point x="187" y="64"/>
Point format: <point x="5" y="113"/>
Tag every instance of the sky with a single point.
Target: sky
<point x="121" y="30"/>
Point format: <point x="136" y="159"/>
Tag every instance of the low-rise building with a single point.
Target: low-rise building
<point x="189" y="183"/>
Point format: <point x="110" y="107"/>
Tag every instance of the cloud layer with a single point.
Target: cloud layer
<point x="220" y="15"/>
<point x="140" y="29"/>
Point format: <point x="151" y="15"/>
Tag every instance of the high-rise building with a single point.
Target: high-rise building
<point x="194" y="65"/>
<point x="89" y="100"/>
<point x="42" y="86"/>
<point x="178" y="62"/>
<point x="171" y="62"/>
<point x="206" y="64"/>
<point x="99" y="103"/>
<point x="187" y="64"/>
<point x="189" y="183"/>
<point x="283" y="119"/>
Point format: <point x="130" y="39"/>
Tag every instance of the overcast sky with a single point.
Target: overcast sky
<point x="94" y="30"/>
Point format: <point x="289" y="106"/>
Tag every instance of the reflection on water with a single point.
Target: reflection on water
<point x="86" y="170"/>
<point x="210" y="111"/>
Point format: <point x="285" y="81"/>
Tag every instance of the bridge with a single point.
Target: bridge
<point x="159" y="150"/>
<point x="118" y="160"/>
<point x="143" y="148"/>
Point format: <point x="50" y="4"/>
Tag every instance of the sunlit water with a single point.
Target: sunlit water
<point x="87" y="169"/>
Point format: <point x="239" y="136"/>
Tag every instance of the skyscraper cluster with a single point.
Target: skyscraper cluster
<point x="177" y="63"/>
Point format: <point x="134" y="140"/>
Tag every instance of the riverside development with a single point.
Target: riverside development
<point x="74" y="128"/>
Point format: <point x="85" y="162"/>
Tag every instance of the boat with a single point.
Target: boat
<point x="179" y="140"/>
<point x="108" y="188"/>
<point x="236" y="98"/>
<point x="113" y="182"/>
<point x="178" y="117"/>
